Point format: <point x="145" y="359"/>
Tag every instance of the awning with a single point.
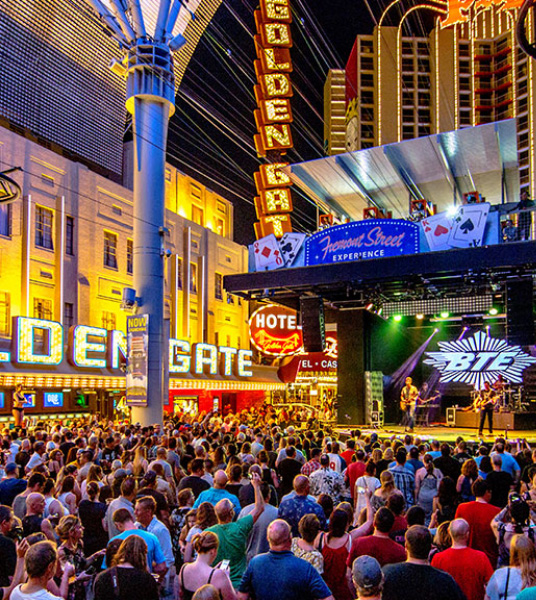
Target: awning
<point x="439" y="168"/>
<point x="264" y="378"/>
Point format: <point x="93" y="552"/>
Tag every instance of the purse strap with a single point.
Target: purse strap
<point x="115" y="582"/>
<point x="507" y="582"/>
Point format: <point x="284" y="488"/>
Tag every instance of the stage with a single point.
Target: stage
<point x="443" y="433"/>
<point x="518" y="421"/>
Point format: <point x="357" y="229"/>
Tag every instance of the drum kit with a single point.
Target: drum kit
<point x="509" y="399"/>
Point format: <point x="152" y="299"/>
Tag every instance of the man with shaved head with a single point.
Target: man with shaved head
<point x="471" y="569"/>
<point x="279" y="575"/>
<point x="233" y="535"/>
<point x="218" y="492"/>
<point x="292" y="509"/>
<point x="34" y="522"/>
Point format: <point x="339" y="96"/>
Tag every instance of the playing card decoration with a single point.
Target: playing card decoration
<point x="270" y="254"/>
<point x="465" y="229"/>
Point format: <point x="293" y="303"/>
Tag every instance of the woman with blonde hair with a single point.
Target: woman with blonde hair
<point x="379" y="498"/>
<point x="193" y="575"/>
<point x="507" y="582"/>
<point x="207" y="592"/>
<point x="140" y="464"/>
<point x="466" y="479"/>
<point x="94" y="474"/>
<point x="128" y="577"/>
<point x="70" y="532"/>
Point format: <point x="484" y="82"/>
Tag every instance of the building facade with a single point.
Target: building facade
<point x="457" y="76"/>
<point x="66" y="256"/>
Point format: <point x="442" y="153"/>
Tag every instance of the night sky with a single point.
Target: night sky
<point x="211" y="134"/>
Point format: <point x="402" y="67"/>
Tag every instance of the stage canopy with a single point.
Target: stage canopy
<point x="439" y="168"/>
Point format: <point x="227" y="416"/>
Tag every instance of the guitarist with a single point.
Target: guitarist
<point x="488" y="400"/>
<point x="408" y="403"/>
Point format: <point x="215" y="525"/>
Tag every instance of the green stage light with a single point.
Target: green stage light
<point x="445" y="314"/>
<point x="493" y="311"/>
<point x="419" y="316"/>
<point x="397" y="318"/>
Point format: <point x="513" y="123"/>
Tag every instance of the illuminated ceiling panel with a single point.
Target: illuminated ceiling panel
<point x="438" y="168"/>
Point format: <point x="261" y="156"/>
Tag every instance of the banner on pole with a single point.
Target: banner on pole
<point x="137" y="359"/>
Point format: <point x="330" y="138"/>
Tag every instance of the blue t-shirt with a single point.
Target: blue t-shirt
<point x="154" y="550"/>
<point x="509" y="464"/>
<point x="282" y="576"/>
<point x="214" y="495"/>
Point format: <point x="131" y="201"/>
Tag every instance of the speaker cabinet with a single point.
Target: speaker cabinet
<point x="313" y="323"/>
<point x="519" y="312"/>
<point x="451" y="417"/>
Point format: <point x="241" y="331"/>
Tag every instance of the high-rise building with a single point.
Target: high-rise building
<point x="335" y="112"/>
<point x="465" y="74"/>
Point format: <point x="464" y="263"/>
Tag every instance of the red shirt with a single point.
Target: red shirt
<point x="481" y="537"/>
<point x="470" y="569"/>
<point x="348" y="455"/>
<point x="353" y="472"/>
<point x="384" y="550"/>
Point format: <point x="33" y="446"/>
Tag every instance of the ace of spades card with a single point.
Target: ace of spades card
<point x="267" y="254"/>
<point x="290" y="245"/>
<point x="468" y="225"/>
<point x="437" y="230"/>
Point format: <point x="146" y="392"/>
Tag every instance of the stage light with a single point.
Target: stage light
<point x="444" y="315"/>
<point x="436" y="330"/>
<point x="397" y="318"/>
<point x="452" y="210"/>
<point x="419" y="317"/>
<point x="493" y="311"/>
<point x="379" y="311"/>
<point x="369" y="306"/>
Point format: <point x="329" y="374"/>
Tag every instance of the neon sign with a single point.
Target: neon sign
<point x="274" y="330"/>
<point x="459" y="11"/>
<point x="97" y="348"/>
<point x="478" y="359"/>
<point x="273" y="116"/>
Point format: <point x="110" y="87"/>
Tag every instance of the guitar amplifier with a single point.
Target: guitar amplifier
<point x="377" y="418"/>
<point x="451" y="417"/>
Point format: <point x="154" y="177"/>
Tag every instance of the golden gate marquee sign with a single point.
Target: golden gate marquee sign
<point x="273" y="116"/>
<point x="459" y="11"/>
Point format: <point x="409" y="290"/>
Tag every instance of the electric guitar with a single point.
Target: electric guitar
<point x="408" y="398"/>
<point x="485" y="399"/>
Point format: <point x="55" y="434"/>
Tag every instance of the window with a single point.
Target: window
<point x="222" y="207"/>
<point x="5" y="219"/>
<point x="179" y="273"/>
<point x="110" y="250"/>
<point x="367" y="97"/>
<point x="4" y="313"/>
<point x="407" y="64"/>
<point x="218" y="286"/>
<point x="108" y="320"/>
<point x="42" y="309"/>
<point x="220" y="227"/>
<point x="193" y="278"/>
<point x="367" y="131"/>
<point x="68" y="314"/>
<point x="367" y="114"/>
<point x="43" y="228"/>
<point x="130" y="257"/>
<point x="69" y="236"/>
<point x="367" y="46"/>
<point x="197" y="215"/>
<point x="367" y="63"/>
<point x="367" y="80"/>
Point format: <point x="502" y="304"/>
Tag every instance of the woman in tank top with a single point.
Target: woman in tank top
<point x="193" y="575"/>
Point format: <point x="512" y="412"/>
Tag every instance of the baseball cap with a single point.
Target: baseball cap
<point x="366" y="572"/>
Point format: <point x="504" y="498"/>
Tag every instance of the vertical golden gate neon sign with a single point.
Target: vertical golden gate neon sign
<point x="273" y="116"/>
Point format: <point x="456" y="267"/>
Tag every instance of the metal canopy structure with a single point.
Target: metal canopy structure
<point x="452" y="274"/>
<point x="439" y="168"/>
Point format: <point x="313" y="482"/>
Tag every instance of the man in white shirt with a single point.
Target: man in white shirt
<point x="37" y="458"/>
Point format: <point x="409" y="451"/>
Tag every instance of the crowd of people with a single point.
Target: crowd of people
<point x="250" y="507"/>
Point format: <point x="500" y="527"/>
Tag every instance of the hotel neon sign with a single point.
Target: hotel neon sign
<point x="97" y="348"/>
<point x="459" y="11"/>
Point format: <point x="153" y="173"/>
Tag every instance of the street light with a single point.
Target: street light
<point x="149" y="32"/>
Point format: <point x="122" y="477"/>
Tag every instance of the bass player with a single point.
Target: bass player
<point x="487" y="402"/>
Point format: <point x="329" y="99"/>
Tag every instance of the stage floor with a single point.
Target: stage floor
<point x="443" y="433"/>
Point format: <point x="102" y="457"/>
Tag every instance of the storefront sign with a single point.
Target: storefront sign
<point x="137" y="359"/>
<point x="321" y="361"/>
<point x="91" y="348"/>
<point x="274" y="330"/>
<point x="273" y="116"/>
<point x="461" y="11"/>
<point x="478" y="359"/>
<point x="53" y="400"/>
<point x="371" y="238"/>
